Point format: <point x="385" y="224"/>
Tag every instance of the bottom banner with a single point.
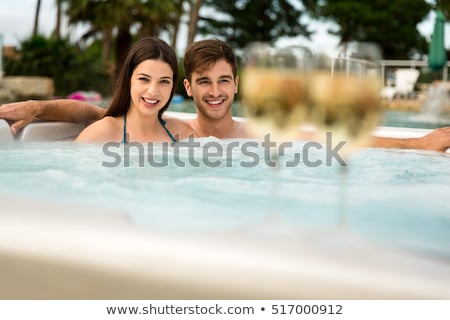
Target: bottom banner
<point x="224" y="309"/>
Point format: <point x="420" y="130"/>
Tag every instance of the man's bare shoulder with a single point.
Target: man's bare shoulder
<point x="180" y="127"/>
<point x="240" y="130"/>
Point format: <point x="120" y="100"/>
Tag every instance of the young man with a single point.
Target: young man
<point x="212" y="82"/>
<point x="210" y="68"/>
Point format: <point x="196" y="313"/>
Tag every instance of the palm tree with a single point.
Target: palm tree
<point x="109" y="18"/>
<point x="98" y="16"/>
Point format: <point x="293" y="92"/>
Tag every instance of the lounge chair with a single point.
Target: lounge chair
<point x="405" y="79"/>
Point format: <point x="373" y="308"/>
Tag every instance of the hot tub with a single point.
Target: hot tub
<point x="73" y="226"/>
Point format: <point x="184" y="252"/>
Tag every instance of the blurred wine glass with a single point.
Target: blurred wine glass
<point x="345" y="102"/>
<point x="274" y="92"/>
<point x="274" y="89"/>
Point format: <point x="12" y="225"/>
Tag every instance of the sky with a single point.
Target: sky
<point x="16" y="23"/>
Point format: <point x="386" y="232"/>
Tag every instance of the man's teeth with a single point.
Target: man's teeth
<point x="215" y="102"/>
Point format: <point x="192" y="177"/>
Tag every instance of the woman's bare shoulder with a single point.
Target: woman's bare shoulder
<point x="104" y="130"/>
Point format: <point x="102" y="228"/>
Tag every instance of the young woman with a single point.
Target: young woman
<point x="142" y="93"/>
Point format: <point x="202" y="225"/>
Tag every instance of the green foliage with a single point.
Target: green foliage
<point x="41" y="56"/>
<point x="125" y="18"/>
<point x="443" y="5"/>
<point x="392" y="24"/>
<point x="87" y="72"/>
<point x="242" y="21"/>
<point x="428" y="76"/>
<point x="70" y="68"/>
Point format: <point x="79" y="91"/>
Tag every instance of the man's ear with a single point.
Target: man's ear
<point x="187" y="87"/>
<point x="236" y="82"/>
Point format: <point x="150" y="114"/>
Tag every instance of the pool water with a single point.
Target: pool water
<point x="395" y="198"/>
<point x="411" y="119"/>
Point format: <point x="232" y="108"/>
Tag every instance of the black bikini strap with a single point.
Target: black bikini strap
<point x="163" y="123"/>
<point x="124" y="139"/>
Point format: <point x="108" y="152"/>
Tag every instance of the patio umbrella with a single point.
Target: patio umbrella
<point x="437" y="57"/>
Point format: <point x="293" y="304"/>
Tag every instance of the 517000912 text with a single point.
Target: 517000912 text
<point x="306" y="309"/>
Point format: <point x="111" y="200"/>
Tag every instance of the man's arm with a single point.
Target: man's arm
<point x="24" y="112"/>
<point x="437" y="140"/>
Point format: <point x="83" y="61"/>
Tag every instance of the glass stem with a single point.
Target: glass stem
<point x="273" y="199"/>
<point x="343" y="198"/>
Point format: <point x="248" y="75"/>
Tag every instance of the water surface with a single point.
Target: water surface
<point x="397" y="198"/>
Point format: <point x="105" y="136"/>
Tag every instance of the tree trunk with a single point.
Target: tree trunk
<point x="123" y="43"/>
<point x="174" y="35"/>
<point x="36" y="18"/>
<point x="193" y="20"/>
<point x="106" y="53"/>
<point x="176" y="25"/>
<point x="106" y="44"/>
<point x="57" y="32"/>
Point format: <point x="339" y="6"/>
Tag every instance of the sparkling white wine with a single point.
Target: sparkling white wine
<point x="347" y="105"/>
<point x="274" y="100"/>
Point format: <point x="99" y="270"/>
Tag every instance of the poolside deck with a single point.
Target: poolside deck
<point x="403" y="104"/>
